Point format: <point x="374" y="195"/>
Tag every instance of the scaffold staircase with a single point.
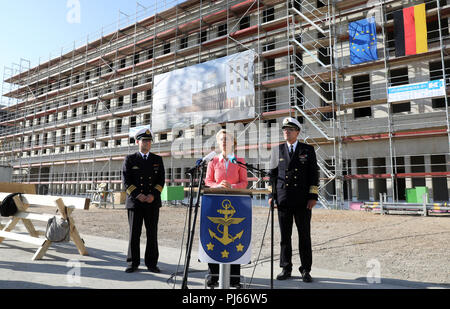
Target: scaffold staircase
<point x="314" y="116"/>
<point x="311" y="64"/>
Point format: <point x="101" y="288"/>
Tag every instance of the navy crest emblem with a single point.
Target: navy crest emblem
<point x="225" y="229"/>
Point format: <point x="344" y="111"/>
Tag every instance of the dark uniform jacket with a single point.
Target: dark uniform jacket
<point x="296" y="179"/>
<point x="143" y="176"/>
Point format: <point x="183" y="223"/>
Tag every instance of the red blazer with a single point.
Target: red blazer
<point x="236" y="175"/>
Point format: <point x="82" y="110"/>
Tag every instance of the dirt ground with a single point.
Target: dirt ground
<point x="407" y="247"/>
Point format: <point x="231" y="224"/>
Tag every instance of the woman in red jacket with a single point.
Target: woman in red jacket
<point x="222" y="173"/>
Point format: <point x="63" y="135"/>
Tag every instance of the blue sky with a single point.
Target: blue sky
<point x="37" y="29"/>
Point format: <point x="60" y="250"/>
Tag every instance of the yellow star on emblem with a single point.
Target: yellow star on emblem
<point x="210" y="246"/>
<point x="225" y="253"/>
<point x="240" y="247"/>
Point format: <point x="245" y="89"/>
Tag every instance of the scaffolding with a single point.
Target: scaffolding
<point x="66" y="123"/>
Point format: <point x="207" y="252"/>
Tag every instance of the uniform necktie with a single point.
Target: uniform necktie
<point x="291" y="151"/>
<point x="145" y="157"/>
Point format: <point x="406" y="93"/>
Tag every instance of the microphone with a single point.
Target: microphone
<point x="199" y="162"/>
<point x="206" y="158"/>
<point x="233" y="159"/>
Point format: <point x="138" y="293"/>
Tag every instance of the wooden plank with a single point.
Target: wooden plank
<point x="20" y="206"/>
<point x="74" y="235"/>
<point x="65" y="211"/>
<point x="42" y="250"/>
<point x="30" y="228"/>
<point x="17" y="187"/>
<point x="48" y="200"/>
<point x="9" y="226"/>
<point x="62" y="208"/>
<point x="34" y="216"/>
<point x="26" y="222"/>
<point x="22" y="237"/>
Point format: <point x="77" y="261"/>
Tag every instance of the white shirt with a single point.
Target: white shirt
<point x="144" y="154"/>
<point x="289" y="145"/>
<point x="227" y="159"/>
<point x="221" y="157"/>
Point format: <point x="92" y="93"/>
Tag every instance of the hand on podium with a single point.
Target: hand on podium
<point x="224" y="184"/>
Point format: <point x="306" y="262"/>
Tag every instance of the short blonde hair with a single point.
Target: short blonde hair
<point x="223" y="131"/>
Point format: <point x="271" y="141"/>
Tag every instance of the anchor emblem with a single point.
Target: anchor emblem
<point x="228" y="211"/>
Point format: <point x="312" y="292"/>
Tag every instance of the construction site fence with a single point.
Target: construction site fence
<point x="383" y="207"/>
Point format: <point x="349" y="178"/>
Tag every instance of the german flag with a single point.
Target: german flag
<point x="410" y="31"/>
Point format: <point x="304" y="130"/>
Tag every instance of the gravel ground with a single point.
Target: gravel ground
<point x="407" y="247"/>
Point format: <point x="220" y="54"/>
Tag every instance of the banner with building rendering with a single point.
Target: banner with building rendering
<point x="216" y="91"/>
<point x="434" y="88"/>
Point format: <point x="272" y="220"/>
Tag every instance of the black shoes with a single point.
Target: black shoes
<point x="285" y="274"/>
<point x="131" y="269"/>
<point x="154" y="269"/>
<point x="214" y="283"/>
<point x="306" y="277"/>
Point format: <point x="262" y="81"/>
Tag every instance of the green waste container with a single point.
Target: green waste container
<point x="411" y="196"/>
<point x="172" y="193"/>
<point x="415" y="195"/>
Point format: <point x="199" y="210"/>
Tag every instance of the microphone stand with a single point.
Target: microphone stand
<point x="263" y="173"/>
<point x="191" y="200"/>
<point x="191" y="232"/>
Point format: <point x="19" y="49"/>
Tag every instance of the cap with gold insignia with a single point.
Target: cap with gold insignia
<point x="290" y="122"/>
<point x="143" y="134"/>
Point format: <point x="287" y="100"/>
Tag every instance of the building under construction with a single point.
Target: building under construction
<point x="66" y="122"/>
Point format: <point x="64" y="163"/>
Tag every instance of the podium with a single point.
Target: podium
<point x="225" y="229"/>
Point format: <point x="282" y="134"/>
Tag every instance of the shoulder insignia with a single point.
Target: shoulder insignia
<point x="314" y="190"/>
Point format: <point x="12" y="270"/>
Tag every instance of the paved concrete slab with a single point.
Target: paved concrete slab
<point x="63" y="267"/>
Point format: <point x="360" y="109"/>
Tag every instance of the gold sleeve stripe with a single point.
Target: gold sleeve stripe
<point x="131" y="189"/>
<point x="159" y="188"/>
<point x="314" y="190"/>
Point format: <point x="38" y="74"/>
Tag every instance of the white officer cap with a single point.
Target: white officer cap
<point x="290" y="122"/>
<point x="143" y="134"/>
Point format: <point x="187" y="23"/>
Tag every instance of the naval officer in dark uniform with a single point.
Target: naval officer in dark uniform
<point x="295" y="174"/>
<point x="143" y="177"/>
